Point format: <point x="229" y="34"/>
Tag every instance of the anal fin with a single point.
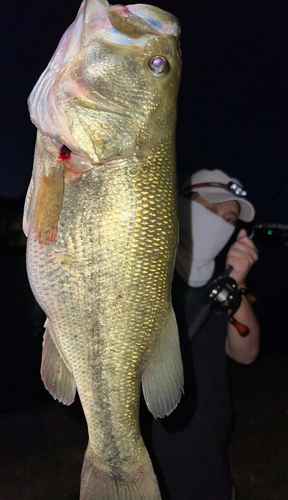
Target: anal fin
<point x="163" y="380"/>
<point x="56" y="375"/>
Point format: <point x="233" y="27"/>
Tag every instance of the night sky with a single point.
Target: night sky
<point x="232" y="107"/>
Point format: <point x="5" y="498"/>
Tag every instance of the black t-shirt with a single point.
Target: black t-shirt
<point x="188" y="448"/>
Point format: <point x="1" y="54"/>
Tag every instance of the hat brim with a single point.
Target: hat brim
<point x="247" y="211"/>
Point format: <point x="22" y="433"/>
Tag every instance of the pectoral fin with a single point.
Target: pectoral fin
<point x="55" y="373"/>
<point x="162" y="380"/>
<point x="27" y="208"/>
<point x="48" y="206"/>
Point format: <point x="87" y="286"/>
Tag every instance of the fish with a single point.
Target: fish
<point x="101" y="222"/>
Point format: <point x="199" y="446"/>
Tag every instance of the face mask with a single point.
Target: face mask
<point x="202" y="236"/>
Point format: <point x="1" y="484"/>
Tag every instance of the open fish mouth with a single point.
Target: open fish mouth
<point x="126" y="24"/>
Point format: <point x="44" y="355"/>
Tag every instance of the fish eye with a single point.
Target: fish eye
<point x="159" y="65"/>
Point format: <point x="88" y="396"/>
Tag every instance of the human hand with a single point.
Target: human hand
<point x="242" y="256"/>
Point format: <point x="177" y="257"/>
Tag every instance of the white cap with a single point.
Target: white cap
<point x="218" y="194"/>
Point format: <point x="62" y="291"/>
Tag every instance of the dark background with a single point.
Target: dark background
<point x="232" y="116"/>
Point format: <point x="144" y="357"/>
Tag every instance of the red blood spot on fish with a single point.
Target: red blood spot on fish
<point x="65" y="153"/>
<point x="58" y="369"/>
<point x="126" y="12"/>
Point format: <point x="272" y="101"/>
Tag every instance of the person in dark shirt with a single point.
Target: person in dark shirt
<point x="188" y="448"/>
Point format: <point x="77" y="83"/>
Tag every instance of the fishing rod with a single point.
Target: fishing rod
<point x="270" y="232"/>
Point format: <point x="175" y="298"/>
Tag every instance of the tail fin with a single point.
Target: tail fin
<point x="99" y="484"/>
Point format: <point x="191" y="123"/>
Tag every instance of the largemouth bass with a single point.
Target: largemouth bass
<point x="101" y="220"/>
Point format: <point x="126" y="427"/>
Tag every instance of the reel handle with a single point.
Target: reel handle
<point x="243" y="330"/>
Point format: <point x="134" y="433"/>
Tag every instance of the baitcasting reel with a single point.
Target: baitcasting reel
<point x="223" y="293"/>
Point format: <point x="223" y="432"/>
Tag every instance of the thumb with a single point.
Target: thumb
<point x="241" y="234"/>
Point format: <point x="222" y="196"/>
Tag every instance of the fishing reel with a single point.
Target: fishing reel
<point x="223" y="293"/>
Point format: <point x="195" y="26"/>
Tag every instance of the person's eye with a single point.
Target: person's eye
<point x="231" y="221"/>
<point x="212" y="209"/>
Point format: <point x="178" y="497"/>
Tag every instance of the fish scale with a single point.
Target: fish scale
<point x="102" y="234"/>
<point x="75" y="295"/>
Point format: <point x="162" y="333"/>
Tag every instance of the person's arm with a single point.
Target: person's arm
<point x="241" y="256"/>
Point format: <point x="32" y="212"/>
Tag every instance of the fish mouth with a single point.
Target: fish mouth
<point x="127" y="24"/>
